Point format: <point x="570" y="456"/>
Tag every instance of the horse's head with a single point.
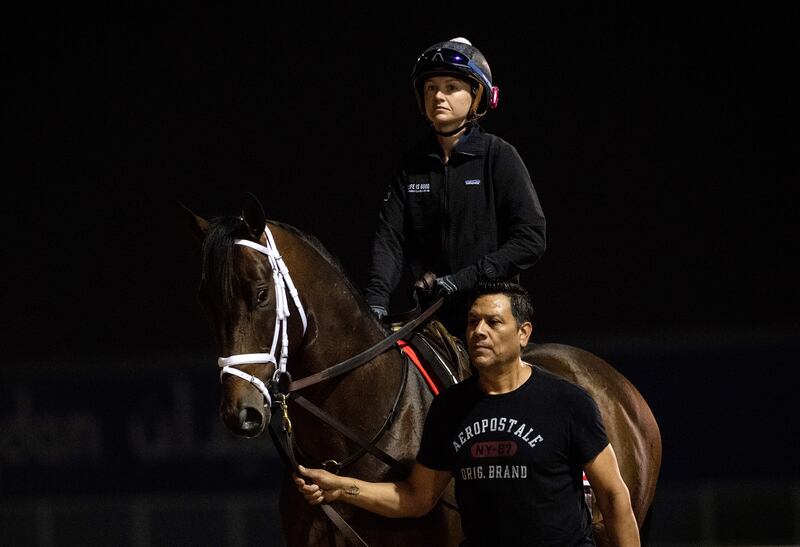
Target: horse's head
<point x="242" y="291"/>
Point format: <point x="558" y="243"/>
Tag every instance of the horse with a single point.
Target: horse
<point x="361" y="409"/>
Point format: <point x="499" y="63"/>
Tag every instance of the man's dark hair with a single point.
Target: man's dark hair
<point x="521" y="306"/>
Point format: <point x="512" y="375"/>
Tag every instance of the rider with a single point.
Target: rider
<point x="461" y="207"/>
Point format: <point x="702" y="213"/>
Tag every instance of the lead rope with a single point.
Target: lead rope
<point x="285" y="445"/>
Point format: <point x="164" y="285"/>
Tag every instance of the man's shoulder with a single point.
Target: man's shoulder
<point x="453" y="401"/>
<point x="558" y="384"/>
<point x="457" y="392"/>
<point x="468" y="384"/>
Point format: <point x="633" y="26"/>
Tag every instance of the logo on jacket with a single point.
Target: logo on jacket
<point x="472" y="182"/>
<point x="418" y="187"/>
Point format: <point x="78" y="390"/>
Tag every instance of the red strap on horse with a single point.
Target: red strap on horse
<point x="409" y="351"/>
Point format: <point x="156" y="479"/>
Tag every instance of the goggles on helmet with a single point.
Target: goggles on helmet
<point x="449" y="57"/>
<point x="445" y="55"/>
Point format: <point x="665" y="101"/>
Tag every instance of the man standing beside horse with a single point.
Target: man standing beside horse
<point x="515" y="438"/>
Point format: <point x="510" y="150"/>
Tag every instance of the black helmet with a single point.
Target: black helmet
<point x="460" y="58"/>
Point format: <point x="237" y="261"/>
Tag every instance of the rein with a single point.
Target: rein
<point x="367" y="355"/>
<point x="277" y="390"/>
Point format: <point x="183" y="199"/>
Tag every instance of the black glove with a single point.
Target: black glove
<point x="445" y="286"/>
<point x="430" y="288"/>
<point x="379" y="311"/>
<point x="425" y="284"/>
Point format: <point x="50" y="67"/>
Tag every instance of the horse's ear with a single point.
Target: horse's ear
<point x="253" y="215"/>
<point x="197" y="225"/>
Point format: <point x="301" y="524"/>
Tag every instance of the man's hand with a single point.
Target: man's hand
<point x="412" y="497"/>
<point x="322" y="486"/>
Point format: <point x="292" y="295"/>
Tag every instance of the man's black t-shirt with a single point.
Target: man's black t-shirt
<point x="517" y="459"/>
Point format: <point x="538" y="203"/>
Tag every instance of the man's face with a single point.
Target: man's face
<point x="493" y="336"/>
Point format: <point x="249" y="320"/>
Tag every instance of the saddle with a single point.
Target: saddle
<point x="444" y="359"/>
<point x="440" y="356"/>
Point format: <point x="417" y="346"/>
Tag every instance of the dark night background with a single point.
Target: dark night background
<point x="661" y="142"/>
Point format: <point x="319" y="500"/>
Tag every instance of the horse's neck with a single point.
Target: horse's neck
<point x="338" y="326"/>
<point x="338" y="335"/>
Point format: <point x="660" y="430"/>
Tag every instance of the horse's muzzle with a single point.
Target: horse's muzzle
<point x="245" y="419"/>
<point x="251" y="421"/>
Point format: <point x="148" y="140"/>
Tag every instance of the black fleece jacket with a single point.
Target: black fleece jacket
<point x="475" y="218"/>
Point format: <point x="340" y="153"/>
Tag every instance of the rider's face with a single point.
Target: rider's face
<point x="447" y="101"/>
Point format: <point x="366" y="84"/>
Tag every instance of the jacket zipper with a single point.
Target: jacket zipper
<point x="445" y="217"/>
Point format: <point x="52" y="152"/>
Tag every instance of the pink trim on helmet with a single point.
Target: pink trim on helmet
<point x="494" y="97"/>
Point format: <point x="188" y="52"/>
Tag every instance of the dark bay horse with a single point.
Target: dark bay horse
<point x="265" y="287"/>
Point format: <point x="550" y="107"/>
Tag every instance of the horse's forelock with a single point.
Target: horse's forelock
<point x="218" y="280"/>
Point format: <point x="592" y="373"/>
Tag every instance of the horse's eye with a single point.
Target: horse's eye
<point x="261" y="296"/>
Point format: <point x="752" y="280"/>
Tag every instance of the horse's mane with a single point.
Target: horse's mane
<point x="317" y="245"/>
<point x="219" y="278"/>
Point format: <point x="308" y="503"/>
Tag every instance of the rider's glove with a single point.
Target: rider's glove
<point x="425" y="283"/>
<point x="433" y="288"/>
<point x="445" y="286"/>
<point x="379" y="311"/>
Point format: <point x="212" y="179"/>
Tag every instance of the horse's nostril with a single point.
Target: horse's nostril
<point x="250" y="420"/>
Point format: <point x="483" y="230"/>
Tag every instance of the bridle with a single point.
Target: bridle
<point x="282" y="282"/>
<point x="280" y="387"/>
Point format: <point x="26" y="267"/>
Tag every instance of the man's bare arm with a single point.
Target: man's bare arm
<point x="413" y="497"/>
<point x="613" y="498"/>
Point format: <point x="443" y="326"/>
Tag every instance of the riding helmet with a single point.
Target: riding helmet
<point x="460" y="58"/>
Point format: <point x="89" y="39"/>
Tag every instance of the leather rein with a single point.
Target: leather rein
<point x="280" y="388"/>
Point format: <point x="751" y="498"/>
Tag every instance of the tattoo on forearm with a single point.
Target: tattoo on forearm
<point x="352" y="490"/>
